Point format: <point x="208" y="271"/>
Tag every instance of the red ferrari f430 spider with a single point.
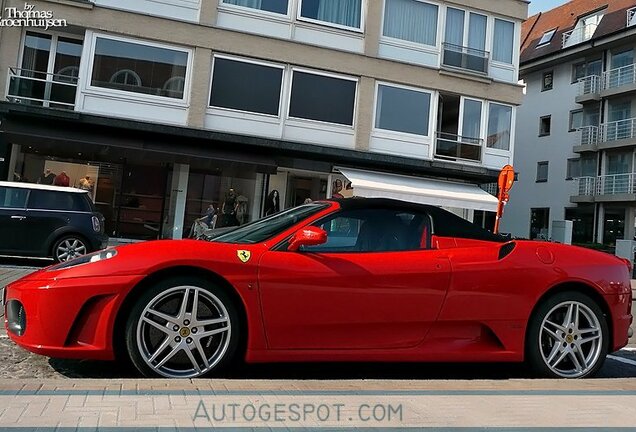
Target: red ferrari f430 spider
<point x="344" y="280"/>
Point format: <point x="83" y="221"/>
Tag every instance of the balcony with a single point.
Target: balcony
<point x="465" y="58"/>
<point x="589" y="89"/>
<point x="631" y="16"/>
<point x="30" y="87"/>
<point x="607" y="188"/>
<point x="588" y="139"/>
<point x="579" y="35"/>
<point x="620" y="80"/>
<point x="458" y="147"/>
<point x="618" y="134"/>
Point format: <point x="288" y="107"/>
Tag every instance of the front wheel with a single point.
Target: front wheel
<point x="568" y="337"/>
<point x="68" y="248"/>
<point x="182" y="328"/>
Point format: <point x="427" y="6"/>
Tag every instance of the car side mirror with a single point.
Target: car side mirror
<point x="309" y="236"/>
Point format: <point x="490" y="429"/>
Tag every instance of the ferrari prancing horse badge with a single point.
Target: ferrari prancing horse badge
<point x="244" y="255"/>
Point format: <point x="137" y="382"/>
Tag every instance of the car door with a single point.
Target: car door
<point x="13" y="229"/>
<point x="47" y="212"/>
<point x="373" y="285"/>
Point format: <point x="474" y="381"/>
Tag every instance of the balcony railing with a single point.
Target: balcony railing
<point x="616" y="184"/>
<point x="585" y="186"/>
<point x="618" y="130"/>
<point x="631" y="16"/>
<point x="462" y="57"/>
<point x="619" y="77"/>
<point x="40" y="88"/>
<point x="579" y="34"/>
<point x="458" y="147"/>
<point x="589" y="85"/>
<point x="589" y="135"/>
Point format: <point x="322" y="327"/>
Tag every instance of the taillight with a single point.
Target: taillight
<point x="97" y="226"/>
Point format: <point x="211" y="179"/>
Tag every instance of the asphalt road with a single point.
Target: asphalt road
<point x="17" y="363"/>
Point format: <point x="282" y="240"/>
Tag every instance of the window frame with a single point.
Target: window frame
<point x="541" y="119"/>
<point x="281" y="98"/>
<point x="430" y="127"/>
<point x="541" y="44"/>
<point x="328" y="75"/>
<point x="415" y="45"/>
<point x="568" y="170"/>
<point x="248" y="10"/>
<point x="513" y="114"/>
<point x="545" y="88"/>
<point x="123" y="94"/>
<point x="586" y="63"/>
<point x="363" y="10"/>
<point x="492" y="42"/>
<point x="571" y="117"/>
<point x="547" y="173"/>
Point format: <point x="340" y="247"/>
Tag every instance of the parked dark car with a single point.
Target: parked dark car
<point x="48" y="221"/>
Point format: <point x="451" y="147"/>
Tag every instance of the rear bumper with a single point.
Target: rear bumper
<point x="621" y="312"/>
<point x="67" y="318"/>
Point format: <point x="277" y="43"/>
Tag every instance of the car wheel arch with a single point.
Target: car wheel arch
<point x="119" y="345"/>
<point x="582" y="288"/>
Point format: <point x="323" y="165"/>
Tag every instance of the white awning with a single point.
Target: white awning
<point x="370" y="184"/>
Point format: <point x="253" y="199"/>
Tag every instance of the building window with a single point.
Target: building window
<point x="546" y="38"/>
<point x="246" y="86"/>
<point x="542" y="172"/>
<point x="503" y="41"/>
<point x="576" y="119"/>
<point x="465" y="41"/>
<point x="539" y="223"/>
<point x="545" y="125"/>
<point x="275" y="6"/>
<point x="584" y="69"/>
<point x="138" y="68"/>
<point x="322" y="98"/>
<point x="547" y="82"/>
<point x="342" y="13"/>
<point x="499" y="126"/>
<point x="402" y="110"/>
<point x="411" y="20"/>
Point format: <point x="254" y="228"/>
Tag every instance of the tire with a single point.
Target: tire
<point x="554" y="348"/>
<point x="69" y="247"/>
<point x="165" y="340"/>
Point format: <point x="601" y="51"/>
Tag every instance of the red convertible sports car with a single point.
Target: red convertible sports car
<point x="343" y="280"/>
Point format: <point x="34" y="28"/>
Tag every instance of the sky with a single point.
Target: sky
<point x="544" y="5"/>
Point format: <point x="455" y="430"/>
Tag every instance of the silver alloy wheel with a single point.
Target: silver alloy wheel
<point x="183" y="332"/>
<point x="69" y="249"/>
<point x="570" y="339"/>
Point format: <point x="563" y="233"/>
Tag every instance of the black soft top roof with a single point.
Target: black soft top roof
<point x="445" y="223"/>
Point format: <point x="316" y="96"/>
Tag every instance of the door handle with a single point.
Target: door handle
<point x="18" y="217"/>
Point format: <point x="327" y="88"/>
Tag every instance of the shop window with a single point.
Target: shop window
<point x="542" y="172"/>
<point x="403" y="110"/>
<point x="13" y="198"/>
<point x="545" y="125"/>
<point x="342" y="13"/>
<point x="137" y="68"/>
<point x="411" y="20"/>
<point x="274" y="6"/>
<point x="246" y="86"/>
<point x="539" y="223"/>
<point x="322" y="98"/>
<point x="614" y="225"/>
<point x="499" y="126"/>
<point x="547" y="81"/>
<point x="583" y="223"/>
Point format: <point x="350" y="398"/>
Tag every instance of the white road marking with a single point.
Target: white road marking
<point x="628" y="349"/>
<point x="622" y="360"/>
<point x="4" y="337"/>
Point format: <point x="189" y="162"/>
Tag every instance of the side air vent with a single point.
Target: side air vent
<point x="506" y="249"/>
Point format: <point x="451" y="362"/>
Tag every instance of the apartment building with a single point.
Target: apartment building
<point x="161" y="108"/>
<point x="576" y="131"/>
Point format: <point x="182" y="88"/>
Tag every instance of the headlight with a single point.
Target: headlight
<point x="85" y="259"/>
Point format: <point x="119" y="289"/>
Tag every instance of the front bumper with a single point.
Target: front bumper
<point x="67" y="318"/>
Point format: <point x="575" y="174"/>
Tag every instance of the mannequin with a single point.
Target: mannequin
<point x="337" y="189"/>
<point x="228" y="210"/>
<point x="47" y="178"/>
<point x="62" y="179"/>
<point x="272" y="204"/>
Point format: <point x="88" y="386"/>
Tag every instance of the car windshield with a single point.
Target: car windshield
<point x="263" y="229"/>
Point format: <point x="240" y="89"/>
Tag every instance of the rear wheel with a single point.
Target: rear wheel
<point x="69" y="247"/>
<point x="568" y="336"/>
<point x="182" y="328"/>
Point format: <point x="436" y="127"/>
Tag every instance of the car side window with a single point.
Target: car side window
<point x="374" y="230"/>
<point x="14" y="198"/>
<point x="51" y="200"/>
